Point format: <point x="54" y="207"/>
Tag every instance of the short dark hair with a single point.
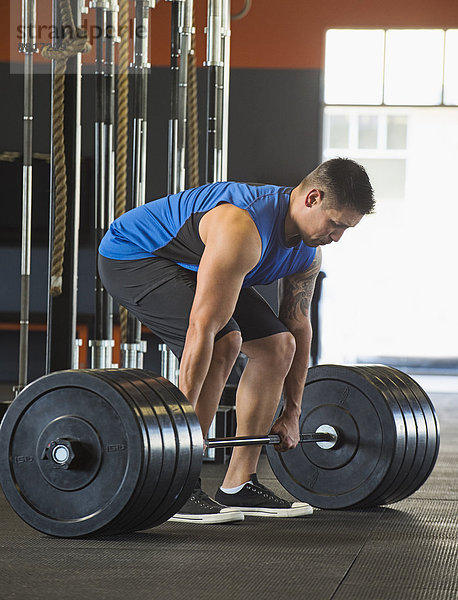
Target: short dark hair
<point x="343" y="183"/>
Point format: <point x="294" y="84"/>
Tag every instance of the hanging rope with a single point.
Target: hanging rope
<point x="123" y="110"/>
<point x="8" y="156"/>
<point x="193" y="114"/>
<point x="74" y="42"/>
<point x="122" y="132"/>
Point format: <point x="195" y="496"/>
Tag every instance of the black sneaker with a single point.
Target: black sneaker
<point x="255" y="500"/>
<point x="200" y="508"/>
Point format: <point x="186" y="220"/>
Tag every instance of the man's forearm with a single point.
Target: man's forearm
<point x="195" y="363"/>
<point x="295" y="380"/>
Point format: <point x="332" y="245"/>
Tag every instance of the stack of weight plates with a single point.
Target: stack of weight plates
<point x="137" y="449"/>
<point x="422" y="434"/>
<point x="388" y="438"/>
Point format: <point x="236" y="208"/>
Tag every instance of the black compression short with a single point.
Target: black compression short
<point x="160" y="294"/>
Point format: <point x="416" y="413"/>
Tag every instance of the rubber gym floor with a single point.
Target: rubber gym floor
<point x="400" y="552"/>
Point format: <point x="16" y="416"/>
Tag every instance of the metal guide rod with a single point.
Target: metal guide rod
<point x="61" y="349"/>
<point x="226" y="58"/>
<point x="140" y="67"/>
<point x="133" y="349"/>
<point x="218" y="65"/>
<point x="185" y="29"/>
<point x="267" y="439"/>
<point x="172" y="183"/>
<point x="180" y="48"/>
<point x="28" y="48"/>
<point x="213" y="64"/>
<point x="106" y="27"/>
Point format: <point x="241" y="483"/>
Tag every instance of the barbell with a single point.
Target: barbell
<point x="110" y="451"/>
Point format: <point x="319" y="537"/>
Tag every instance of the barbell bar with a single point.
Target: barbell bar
<point x="108" y="451"/>
<point x="65" y="453"/>
<point x="329" y="438"/>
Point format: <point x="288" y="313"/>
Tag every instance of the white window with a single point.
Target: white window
<point x="414" y="65"/>
<point x="391" y="104"/>
<point x="451" y="68"/>
<point x="374" y="137"/>
<point x="417" y="67"/>
<point x="354" y="66"/>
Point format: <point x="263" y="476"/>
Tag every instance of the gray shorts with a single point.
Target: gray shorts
<point x="160" y="294"/>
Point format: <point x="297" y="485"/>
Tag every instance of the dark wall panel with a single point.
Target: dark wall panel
<point x="275" y="125"/>
<point x="274" y="135"/>
<point x="274" y="132"/>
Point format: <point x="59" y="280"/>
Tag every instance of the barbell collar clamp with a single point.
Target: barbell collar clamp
<point x="61" y="451"/>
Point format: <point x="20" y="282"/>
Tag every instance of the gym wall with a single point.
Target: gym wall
<point x="275" y="120"/>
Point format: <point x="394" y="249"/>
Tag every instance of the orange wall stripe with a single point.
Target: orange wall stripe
<point x="275" y="34"/>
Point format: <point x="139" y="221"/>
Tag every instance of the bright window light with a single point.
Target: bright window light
<point x="339" y="131"/>
<point x="396" y="132"/>
<point x="367" y="131"/>
<point x="354" y="66"/>
<point x="414" y="66"/>
<point x="451" y="67"/>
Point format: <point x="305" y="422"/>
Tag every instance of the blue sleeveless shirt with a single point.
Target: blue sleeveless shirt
<point x="169" y="228"/>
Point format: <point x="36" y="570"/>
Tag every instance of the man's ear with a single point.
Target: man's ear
<point x="313" y="197"/>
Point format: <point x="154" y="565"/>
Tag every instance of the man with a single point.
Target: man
<point x="185" y="266"/>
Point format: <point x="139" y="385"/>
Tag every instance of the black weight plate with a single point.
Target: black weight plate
<point x="140" y="514"/>
<point x="414" y="448"/>
<point x="433" y="429"/>
<point x="185" y="451"/>
<point x="397" y="407"/>
<point x="195" y="448"/>
<point x="404" y="485"/>
<point x="432" y="435"/>
<point x="153" y="506"/>
<point x="430" y="414"/>
<point x="84" y="500"/>
<point x="154" y="480"/>
<point x="153" y="450"/>
<point x="371" y="435"/>
<point x="180" y="471"/>
<point x="416" y="437"/>
<point x="189" y="446"/>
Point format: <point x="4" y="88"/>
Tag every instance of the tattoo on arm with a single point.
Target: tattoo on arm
<point x="297" y="291"/>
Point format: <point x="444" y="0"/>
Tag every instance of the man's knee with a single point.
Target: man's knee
<point x="285" y="348"/>
<point x="227" y="349"/>
<point x="277" y="350"/>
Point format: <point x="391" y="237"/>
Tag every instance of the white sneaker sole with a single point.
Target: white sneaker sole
<point x="298" y="509"/>
<point x="226" y="515"/>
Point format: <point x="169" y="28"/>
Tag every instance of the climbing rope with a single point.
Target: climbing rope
<point x="122" y="131"/>
<point x="123" y="113"/>
<point x="74" y="42"/>
<point x="8" y="156"/>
